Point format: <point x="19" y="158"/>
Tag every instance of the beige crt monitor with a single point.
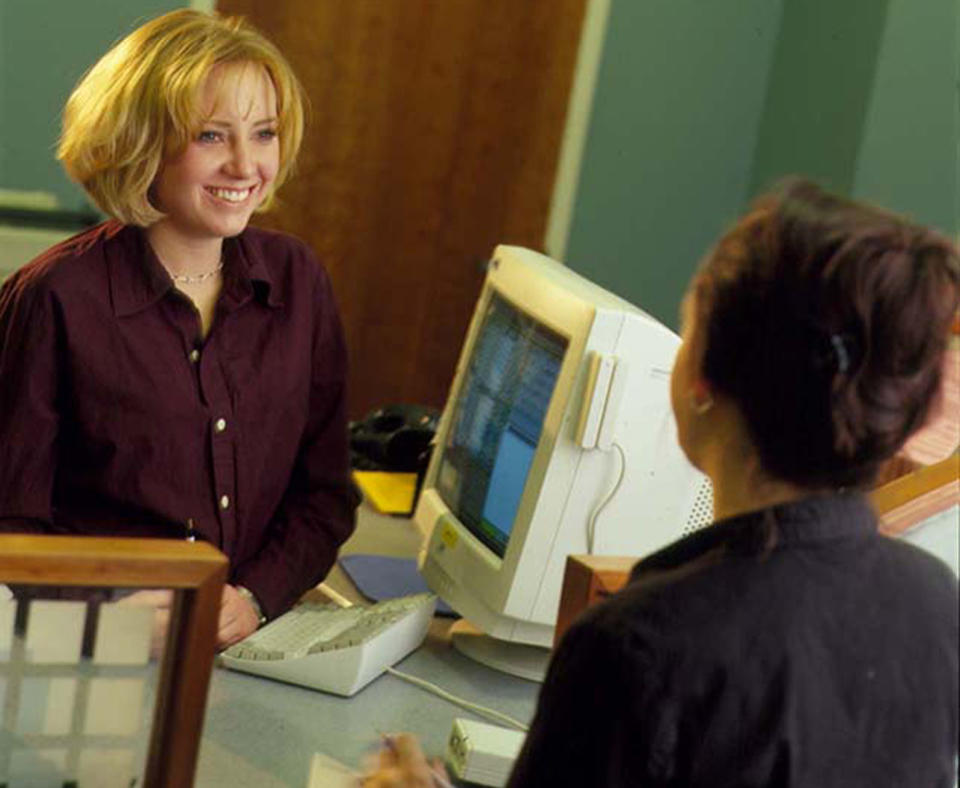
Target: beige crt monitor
<point x="557" y="438"/>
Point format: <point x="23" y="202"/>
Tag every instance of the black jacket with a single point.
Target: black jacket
<point x="790" y="647"/>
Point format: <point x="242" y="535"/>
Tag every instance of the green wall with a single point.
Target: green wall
<point x="675" y="119"/>
<point x="819" y="91"/>
<point x="45" y="47"/>
<point x="909" y="156"/>
<point x="700" y="105"/>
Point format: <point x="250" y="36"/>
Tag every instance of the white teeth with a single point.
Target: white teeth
<point x="231" y="195"/>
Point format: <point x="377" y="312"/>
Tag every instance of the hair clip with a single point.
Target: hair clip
<point x="841" y="354"/>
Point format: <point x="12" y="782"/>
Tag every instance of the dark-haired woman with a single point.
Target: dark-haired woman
<point x="789" y="644"/>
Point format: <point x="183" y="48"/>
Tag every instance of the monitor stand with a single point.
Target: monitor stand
<point x="517" y="659"/>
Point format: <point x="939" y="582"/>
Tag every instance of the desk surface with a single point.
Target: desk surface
<point x="262" y="734"/>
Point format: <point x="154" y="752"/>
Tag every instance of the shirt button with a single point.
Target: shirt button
<point x="194" y="355"/>
<point x="224" y="501"/>
<point x="220" y="425"/>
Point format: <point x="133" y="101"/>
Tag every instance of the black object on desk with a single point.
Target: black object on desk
<point x="393" y="438"/>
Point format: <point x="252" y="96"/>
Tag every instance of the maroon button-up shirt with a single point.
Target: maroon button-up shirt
<point x="118" y="418"/>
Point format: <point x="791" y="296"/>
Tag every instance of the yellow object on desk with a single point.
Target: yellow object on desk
<point x="389" y="493"/>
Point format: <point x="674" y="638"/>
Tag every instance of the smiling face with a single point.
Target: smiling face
<point x="209" y="190"/>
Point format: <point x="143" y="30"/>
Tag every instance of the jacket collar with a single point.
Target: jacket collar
<point x="818" y="519"/>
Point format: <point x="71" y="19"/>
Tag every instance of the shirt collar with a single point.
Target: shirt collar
<point x="136" y="277"/>
<point x="248" y="274"/>
<point x="138" y="280"/>
<point x="818" y="518"/>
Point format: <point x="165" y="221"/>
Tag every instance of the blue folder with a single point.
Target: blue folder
<point x="380" y="577"/>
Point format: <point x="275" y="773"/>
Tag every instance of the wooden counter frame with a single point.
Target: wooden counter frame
<point x="196" y="572"/>
<point x="942" y="479"/>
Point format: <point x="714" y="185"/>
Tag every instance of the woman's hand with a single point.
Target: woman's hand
<point x="237" y="618"/>
<point x="160" y="600"/>
<point x="401" y="764"/>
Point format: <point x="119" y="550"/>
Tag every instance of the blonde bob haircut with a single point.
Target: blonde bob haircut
<point x="140" y="103"/>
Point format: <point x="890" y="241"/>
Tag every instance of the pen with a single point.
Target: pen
<point x="438" y="778"/>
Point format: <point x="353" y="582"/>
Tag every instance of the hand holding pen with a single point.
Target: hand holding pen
<point x="400" y="763"/>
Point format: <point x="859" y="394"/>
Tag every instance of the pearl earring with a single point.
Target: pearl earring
<point x="701" y="400"/>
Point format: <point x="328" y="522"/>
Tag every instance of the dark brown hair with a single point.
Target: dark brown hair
<point x="826" y="321"/>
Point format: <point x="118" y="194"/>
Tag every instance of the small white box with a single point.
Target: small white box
<point x="482" y="753"/>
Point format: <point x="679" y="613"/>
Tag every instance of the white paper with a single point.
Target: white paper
<point x="8" y="614"/>
<point x="327" y="772"/>
<point x="55" y="632"/>
<point x="114" y="707"/>
<point x="46" y="706"/>
<point x="35" y="768"/>
<point x="123" y="635"/>
<point x="105" y="769"/>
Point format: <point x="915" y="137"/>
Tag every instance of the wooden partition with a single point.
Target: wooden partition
<point x="195" y="571"/>
<point x="589" y="579"/>
<point x="910" y="499"/>
<point x="434" y="135"/>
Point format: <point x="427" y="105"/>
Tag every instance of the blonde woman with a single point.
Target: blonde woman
<point x="173" y="372"/>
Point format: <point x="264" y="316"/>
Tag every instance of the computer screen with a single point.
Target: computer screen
<point x="557" y="438"/>
<point x="497" y="420"/>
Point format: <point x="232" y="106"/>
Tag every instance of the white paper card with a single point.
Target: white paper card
<point x="114" y="707"/>
<point x="123" y="635"/>
<point x="55" y="632"/>
<point x="46" y="705"/>
<point x="326" y="772"/>
<point x="105" y="769"/>
<point x="37" y="768"/>
<point x="8" y="614"/>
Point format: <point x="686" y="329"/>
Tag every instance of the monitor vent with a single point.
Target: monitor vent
<point x="701" y="515"/>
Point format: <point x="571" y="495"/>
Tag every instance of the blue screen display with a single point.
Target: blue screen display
<point x="497" y="421"/>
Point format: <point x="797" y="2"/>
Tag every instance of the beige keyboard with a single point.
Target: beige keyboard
<point x="332" y="648"/>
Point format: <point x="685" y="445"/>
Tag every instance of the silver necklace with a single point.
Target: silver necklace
<point x="195" y="279"/>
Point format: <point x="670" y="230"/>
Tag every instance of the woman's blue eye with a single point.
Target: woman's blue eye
<point x="208" y="136"/>
<point x="267" y="134"/>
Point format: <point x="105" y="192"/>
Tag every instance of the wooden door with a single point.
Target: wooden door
<point x="434" y="135"/>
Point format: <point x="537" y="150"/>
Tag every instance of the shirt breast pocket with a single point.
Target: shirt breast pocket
<point x="270" y="387"/>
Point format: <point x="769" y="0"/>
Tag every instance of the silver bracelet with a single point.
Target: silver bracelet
<point x="247" y="594"/>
